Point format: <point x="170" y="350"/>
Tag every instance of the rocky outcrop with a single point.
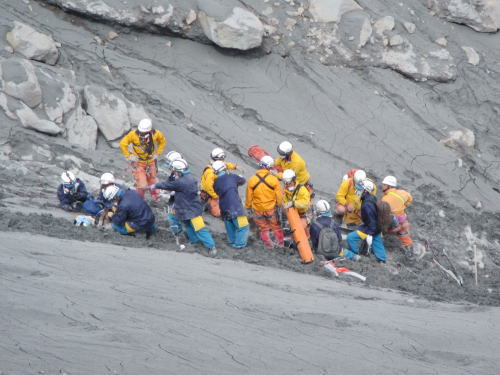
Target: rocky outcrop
<point x="33" y="44"/>
<point x="82" y="130"/>
<point x="18" y="80"/>
<point x="481" y="15"/>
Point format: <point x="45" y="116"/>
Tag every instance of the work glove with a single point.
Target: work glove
<point x="133" y="158"/>
<point x="287" y="205"/>
<point x="369" y="240"/>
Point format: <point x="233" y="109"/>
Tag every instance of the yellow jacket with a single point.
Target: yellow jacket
<point x="208" y="178"/>
<point x="398" y="199"/>
<point x="296" y="164"/>
<point x="132" y="138"/>
<point x="259" y="196"/>
<point x="347" y="194"/>
<point x="301" y="200"/>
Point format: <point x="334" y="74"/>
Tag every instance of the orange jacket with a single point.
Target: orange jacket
<point x="208" y="178"/>
<point x="132" y="138"/>
<point x="398" y="199"/>
<point x="296" y="164"/>
<point x="301" y="200"/>
<point x="261" y="197"/>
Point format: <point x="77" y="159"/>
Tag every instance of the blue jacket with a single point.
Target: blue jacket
<point x="315" y="230"/>
<point x="69" y="196"/>
<point x="369" y="214"/>
<point x="108" y="204"/>
<point x="187" y="201"/>
<point x="133" y="210"/>
<point x="226" y="187"/>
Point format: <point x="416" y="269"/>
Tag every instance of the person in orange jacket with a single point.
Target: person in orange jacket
<point x="296" y="195"/>
<point x="208" y="194"/>
<point x="146" y="145"/>
<point x="263" y="195"/>
<point x="398" y="200"/>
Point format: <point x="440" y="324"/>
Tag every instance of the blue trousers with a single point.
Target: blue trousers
<point x="174" y="223"/>
<point x="202" y="235"/>
<point x="354" y="240"/>
<point x="236" y="236"/>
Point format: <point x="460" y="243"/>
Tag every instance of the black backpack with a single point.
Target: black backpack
<point x="329" y="244"/>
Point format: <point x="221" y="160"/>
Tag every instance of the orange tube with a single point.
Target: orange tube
<point x="299" y="235"/>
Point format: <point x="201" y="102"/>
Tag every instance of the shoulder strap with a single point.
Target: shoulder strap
<point x="397" y="195"/>
<point x="262" y="179"/>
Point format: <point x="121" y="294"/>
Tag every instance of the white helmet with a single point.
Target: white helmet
<point x="322" y="206"/>
<point x="285" y="148"/>
<point x="107" y="178"/>
<point x="367" y="185"/>
<point x="359" y="176"/>
<point x="173" y="155"/>
<point x="219" y="166"/>
<point x="218" y="154"/>
<point x="288" y="175"/>
<point x="68" y="177"/>
<point x="391" y="181"/>
<point x="266" y="162"/>
<point x="179" y="165"/>
<point x="110" y="192"/>
<point x="145" y="125"/>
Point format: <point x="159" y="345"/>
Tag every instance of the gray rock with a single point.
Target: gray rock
<point x="108" y="110"/>
<point x="355" y="29"/>
<point x="29" y="119"/>
<point x="472" y="56"/>
<point x="18" y="79"/>
<point x="32" y="44"/>
<point x="481" y="15"/>
<point x="58" y="97"/>
<point x="82" y="130"/>
<point x="241" y="30"/>
<point x="331" y="10"/>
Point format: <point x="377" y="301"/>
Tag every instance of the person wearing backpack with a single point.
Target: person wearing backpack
<point x="398" y="200"/>
<point x="326" y="239"/>
<point x="369" y="230"/>
<point x="263" y="195"/>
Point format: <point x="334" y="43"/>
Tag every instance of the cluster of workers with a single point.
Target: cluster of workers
<point x="278" y="184"/>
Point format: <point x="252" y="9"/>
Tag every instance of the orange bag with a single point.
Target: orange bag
<point x="299" y="235"/>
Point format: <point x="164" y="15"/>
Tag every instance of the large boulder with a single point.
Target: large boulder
<point x="58" y="97"/>
<point x="30" y="120"/>
<point x="240" y="30"/>
<point x="82" y="130"/>
<point x="32" y="44"/>
<point x="481" y="15"/>
<point x="18" y="79"/>
<point x="331" y="10"/>
<point x="108" y="110"/>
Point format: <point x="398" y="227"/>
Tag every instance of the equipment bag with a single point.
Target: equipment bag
<point x="384" y="219"/>
<point x="329" y="242"/>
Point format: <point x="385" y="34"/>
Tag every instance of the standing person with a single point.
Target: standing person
<point x="208" y="194"/>
<point x="232" y="212"/>
<point x="398" y="200"/>
<point x="263" y="196"/>
<point x="147" y="144"/>
<point x="188" y="207"/>
<point x="289" y="159"/>
<point x="296" y="195"/>
<point x="72" y="193"/>
<point x="132" y="213"/>
<point x="326" y="238"/>
<point x="369" y="230"/>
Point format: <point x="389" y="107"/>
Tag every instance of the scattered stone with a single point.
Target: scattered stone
<point x="191" y="17"/>
<point x="18" y="78"/>
<point x="82" y="130"/>
<point x="472" y="56"/>
<point x="441" y="41"/>
<point x="384" y="24"/>
<point x="331" y="10"/>
<point x="241" y="30"/>
<point x="457" y="138"/>
<point x="30" y="120"/>
<point x="112" y="35"/>
<point x="410" y="27"/>
<point x="32" y="44"/>
<point x="396" y="40"/>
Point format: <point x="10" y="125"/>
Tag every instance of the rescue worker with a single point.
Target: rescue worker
<point x="399" y="200"/>
<point x="173" y="223"/>
<point x="369" y="230"/>
<point x="147" y="144"/>
<point x="296" y="195"/>
<point x="289" y="159"/>
<point x="72" y="193"/>
<point x="324" y="220"/>
<point x="188" y="207"/>
<point x="208" y="194"/>
<point x="132" y="213"/>
<point x="263" y="196"/>
<point x="348" y="202"/>
<point x="231" y="208"/>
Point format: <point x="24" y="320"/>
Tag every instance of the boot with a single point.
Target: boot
<point x="266" y="239"/>
<point x="280" y="236"/>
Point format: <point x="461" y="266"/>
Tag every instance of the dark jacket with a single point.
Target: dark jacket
<point x="69" y="196"/>
<point x="320" y="223"/>
<point x="369" y="214"/>
<point x="187" y="201"/>
<point x="226" y="187"/>
<point x="133" y="210"/>
<point x="108" y="204"/>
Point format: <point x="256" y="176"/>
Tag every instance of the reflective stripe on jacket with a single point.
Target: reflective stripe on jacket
<point x="259" y="196"/>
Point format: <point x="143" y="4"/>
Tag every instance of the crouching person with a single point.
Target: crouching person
<point x="369" y="230"/>
<point x="132" y="213"/>
<point x="231" y="208"/>
<point x="188" y="207"/>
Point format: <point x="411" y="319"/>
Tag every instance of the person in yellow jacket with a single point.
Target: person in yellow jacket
<point x="263" y="196"/>
<point x="348" y="201"/>
<point x="289" y="159"/>
<point x="296" y="195"/>
<point x="146" y="145"/>
<point x="399" y="200"/>
<point x="208" y="194"/>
